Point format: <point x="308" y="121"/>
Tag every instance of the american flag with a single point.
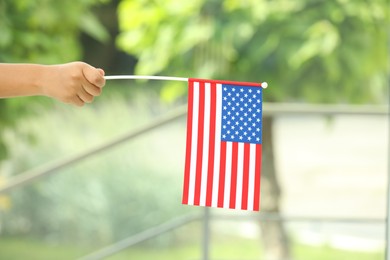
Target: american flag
<point x="224" y="139"/>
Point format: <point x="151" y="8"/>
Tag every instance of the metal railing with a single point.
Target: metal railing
<point x="268" y="110"/>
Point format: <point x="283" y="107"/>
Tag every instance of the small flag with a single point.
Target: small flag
<point x="223" y="146"/>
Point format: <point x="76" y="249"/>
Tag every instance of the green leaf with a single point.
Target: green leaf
<point x="92" y="26"/>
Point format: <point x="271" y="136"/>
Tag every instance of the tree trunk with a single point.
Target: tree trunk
<point x="274" y="237"/>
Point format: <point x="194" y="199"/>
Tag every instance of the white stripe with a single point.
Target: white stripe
<point x="251" y="183"/>
<point x="206" y="141"/>
<point x="217" y="147"/>
<point x="228" y="175"/>
<point x="240" y="173"/>
<point x="194" y="140"/>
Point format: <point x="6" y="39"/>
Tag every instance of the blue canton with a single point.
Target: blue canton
<point x="241" y="114"/>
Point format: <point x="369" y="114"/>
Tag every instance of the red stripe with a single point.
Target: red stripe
<point x="189" y="143"/>
<point x="233" y="183"/>
<point x="222" y="172"/>
<point x="198" y="176"/>
<point x="245" y="179"/>
<point x="238" y="83"/>
<point x="210" y="172"/>
<point x="256" y="202"/>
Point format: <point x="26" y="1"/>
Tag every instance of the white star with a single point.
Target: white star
<point x="250" y="119"/>
<point x="241" y="90"/>
<point x="258" y="139"/>
<point x="223" y="136"/>
<point x="240" y="137"/>
<point x="257" y="129"/>
<point x="249" y="138"/>
<point x="245" y="133"/>
<point x="229" y="94"/>
<point x="228" y="122"/>
<point x="250" y="90"/>
<point x="224" y="117"/>
<point x="224" y="108"/>
<point x="250" y="100"/>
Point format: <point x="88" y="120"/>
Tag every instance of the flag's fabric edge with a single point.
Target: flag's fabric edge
<point x="240" y="83"/>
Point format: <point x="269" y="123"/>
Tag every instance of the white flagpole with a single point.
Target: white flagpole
<point x="145" y="77"/>
<point x="263" y="84"/>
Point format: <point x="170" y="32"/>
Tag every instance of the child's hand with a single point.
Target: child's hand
<point x="75" y="83"/>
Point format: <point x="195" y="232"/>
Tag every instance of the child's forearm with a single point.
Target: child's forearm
<point x="76" y="82"/>
<point x="21" y="79"/>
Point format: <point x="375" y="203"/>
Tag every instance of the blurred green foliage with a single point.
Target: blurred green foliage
<point x="108" y="196"/>
<point x="42" y="31"/>
<point x="314" y="50"/>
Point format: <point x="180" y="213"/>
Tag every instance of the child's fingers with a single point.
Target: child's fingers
<point x="91" y="89"/>
<point x="94" y="76"/>
<point x="85" y="96"/>
<point x="77" y="101"/>
<point x="101" y="71"/>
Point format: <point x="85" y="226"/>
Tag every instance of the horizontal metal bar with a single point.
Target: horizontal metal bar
<point x="140" y="237"/>
<point x="270" y="217"/>
<point x="279" y="109"/>
<point x="269" y="109"/>
<point x="181" y="221"/>
<point x="49" y="168"/>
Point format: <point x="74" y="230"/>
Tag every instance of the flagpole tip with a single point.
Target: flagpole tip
<point x="264" y="85"/>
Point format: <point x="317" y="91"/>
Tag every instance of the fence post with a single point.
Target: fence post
<point x="387" y="246"/>
<point x="206" y="234"/>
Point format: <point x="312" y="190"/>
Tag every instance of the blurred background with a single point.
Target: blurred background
<point x="326" y="130"/>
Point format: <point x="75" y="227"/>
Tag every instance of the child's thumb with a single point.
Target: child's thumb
<point x="101" y="71"/>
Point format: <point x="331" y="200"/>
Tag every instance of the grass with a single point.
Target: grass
<point x="227" y="249"/>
